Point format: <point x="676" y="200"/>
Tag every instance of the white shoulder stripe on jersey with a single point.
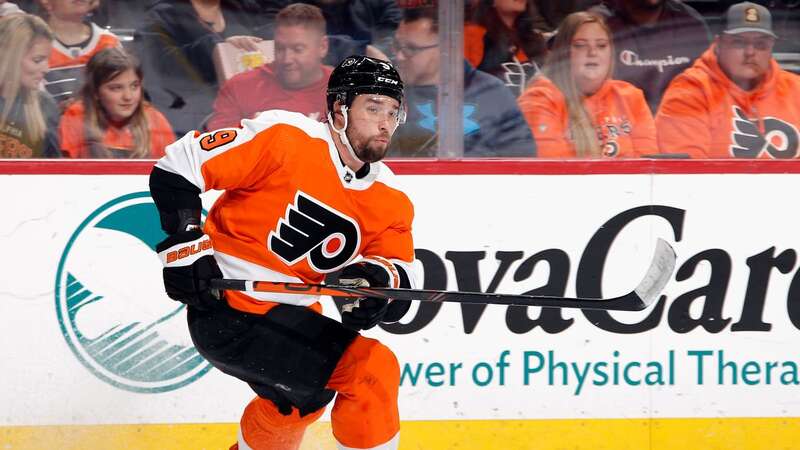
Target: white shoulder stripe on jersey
<point x="387" y="177"/>
<point x="185" y="157"/>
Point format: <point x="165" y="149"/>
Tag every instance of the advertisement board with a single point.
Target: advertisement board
<point x="90" y="338"/>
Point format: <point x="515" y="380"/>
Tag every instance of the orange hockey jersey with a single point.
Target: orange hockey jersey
<point x="705" y="114"/>
<point x="622" y="119"/>
<point x="63" y="56"/>
<point x="291" y="210"/>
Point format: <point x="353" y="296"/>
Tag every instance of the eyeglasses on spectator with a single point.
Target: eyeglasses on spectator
<point x="409" y="50"/>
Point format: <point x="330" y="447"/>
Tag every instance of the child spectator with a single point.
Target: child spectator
<point x="110" y="119"/>
<point x="28" y="116"/>
<point x="76" y="40"/>
<point x="500" y="39"/>
<point x="735" y="101"/>
<point x="655" y="40"/>
<point x="296" y="81"/>
<point x="576" y="110"/>
<point x="176" y="45"/>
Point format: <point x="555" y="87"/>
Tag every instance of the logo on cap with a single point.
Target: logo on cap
<point x="751" y="15"/>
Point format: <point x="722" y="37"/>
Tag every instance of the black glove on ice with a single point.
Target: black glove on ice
<point x="367" y="312"/>
<point x="189" y="265"/>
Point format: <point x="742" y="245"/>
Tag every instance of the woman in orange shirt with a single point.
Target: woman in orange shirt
<point x="576" y="110"/>
<point x="110" y="119"/>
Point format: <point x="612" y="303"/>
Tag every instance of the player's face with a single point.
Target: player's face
<point x="372" y="122"/>
<point x="70" y="9"/>
<point x="34" y="64"/>
<point x="745" y="57"/>
<point x="121" y="95"/>
<point x="299" y="52"/>
<point x="416" y="52"/>
<point x="590" y="57"/>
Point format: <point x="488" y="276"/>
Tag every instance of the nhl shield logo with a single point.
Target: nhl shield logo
<point x="111" y="305"/>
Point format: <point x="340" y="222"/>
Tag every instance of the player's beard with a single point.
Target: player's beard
<point x="370" y="151"/>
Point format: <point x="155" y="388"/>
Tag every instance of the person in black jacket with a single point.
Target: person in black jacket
<point x="175" y="45"/>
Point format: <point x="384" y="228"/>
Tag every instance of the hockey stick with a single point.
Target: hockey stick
<point x="648" y="290"/>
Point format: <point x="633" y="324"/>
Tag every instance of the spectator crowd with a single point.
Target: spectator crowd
<point x="541" y="78"/>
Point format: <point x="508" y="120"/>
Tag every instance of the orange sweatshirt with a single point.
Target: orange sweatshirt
<point x="118" y="140"/>
<point x="624" y="124"/>
<point x="707" y="115"/>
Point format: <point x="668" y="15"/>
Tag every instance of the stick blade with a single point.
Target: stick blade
<point x="658" y="274"/>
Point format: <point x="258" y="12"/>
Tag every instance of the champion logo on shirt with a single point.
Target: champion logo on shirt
<point x="631" y="58"/>
<point x="314" y="231"/>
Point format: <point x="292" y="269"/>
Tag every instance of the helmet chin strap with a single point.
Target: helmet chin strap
<point x="343" y="135"/>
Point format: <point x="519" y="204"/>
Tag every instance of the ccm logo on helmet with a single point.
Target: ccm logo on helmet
<point x="387" y="80"/>
<point x="189" y="250"/>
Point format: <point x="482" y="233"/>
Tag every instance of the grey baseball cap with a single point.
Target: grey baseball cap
<point x="748" y="17"/>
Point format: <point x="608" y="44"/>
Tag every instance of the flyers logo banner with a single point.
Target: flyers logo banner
<point x="313" y="230"/>
<point x="780" y="139"/>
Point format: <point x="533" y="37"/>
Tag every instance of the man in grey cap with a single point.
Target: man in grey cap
<point x="744" y="48"/>
<point x="734" y="100"/>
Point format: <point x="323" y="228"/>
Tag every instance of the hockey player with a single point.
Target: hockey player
<point x="302" y="199"/>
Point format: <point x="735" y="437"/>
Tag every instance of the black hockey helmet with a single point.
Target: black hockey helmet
<point x="363" y="75"/>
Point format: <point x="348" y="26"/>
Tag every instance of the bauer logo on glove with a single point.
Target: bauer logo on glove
<point x="189" y="267"/>
<point x="189" y="250"/>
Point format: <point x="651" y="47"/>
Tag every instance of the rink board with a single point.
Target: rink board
<point x="594" y="434"/>
<point x="94" y="352"/>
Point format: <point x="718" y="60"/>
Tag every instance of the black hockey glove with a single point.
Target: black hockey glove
<point x="367" y="312"/>
<point x="189" y="264"/>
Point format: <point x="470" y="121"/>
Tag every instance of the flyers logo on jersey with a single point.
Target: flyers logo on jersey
<point x="780" y="139"/>
<point x="313" y="230"/>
